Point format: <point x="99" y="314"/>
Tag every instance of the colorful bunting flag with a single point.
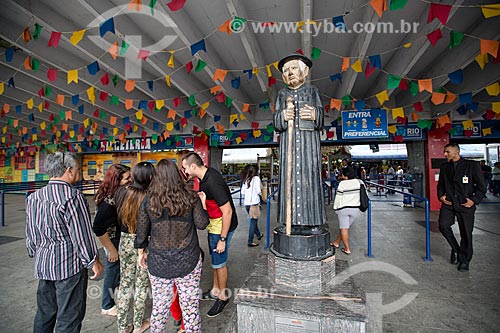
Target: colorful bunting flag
<point x="425" y="84"/>
<point x="27" y="63"/>
<point x="345" y="64"/>
<point x="38" y="30"/>
<point x="108" y="25"/>
<point x="54" y="39"/>
<point x="124" y="47"/>
<point x="315" y="53"/>
<point x="393" y="81"/>
<point x="189" y="67"/>
<point x="397" y="4"/>
<point x="235" y="83"/>
<point x="441" y="12"/>
<point x="143" y="54"/>
<point x="379" y="6"/>
<point x="52" y="74"/>
<point x="200" y="65"/>
<point x="434" y="36"/>
<point x="198" y="46"/>
<point x="489" y="46"/>
<point x="129" y="85"/>
<point x="91" y="94"/>
<point x="455" y="38"/>
<point x="93" y="68"/>
<point x="27" y="35"/>
<point x="493" y="89"/>
<point x="220" y="75"/>
<point x="382" y="97"/>
<point x="397" y="112"/>
<point x="456" y="77"/>
<point x="491" y="10"/>
<point x="175" y="5"/>
<point x="226" y="27"/>
<point x="73" y="76"/>
<point x="357" y="66"/>
<point x="482" y="60"/>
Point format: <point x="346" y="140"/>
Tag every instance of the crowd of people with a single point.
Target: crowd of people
<point x="146" y="220"/>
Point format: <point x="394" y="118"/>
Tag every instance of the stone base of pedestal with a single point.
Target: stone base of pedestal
<point x="263" y="306"/>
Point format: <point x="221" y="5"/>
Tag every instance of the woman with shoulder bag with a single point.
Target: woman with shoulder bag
<point x="251" y="188"/>
<point x="347" y="207"/>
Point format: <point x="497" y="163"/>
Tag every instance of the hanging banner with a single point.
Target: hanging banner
<point x="370" y="123"/>
<point x="458" y="130"/>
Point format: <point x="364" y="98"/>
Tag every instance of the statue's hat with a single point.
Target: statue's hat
<point x="294" y="56"/>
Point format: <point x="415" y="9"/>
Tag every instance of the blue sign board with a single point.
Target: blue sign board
<point x="458" y="130"/>
<point x="363" y="124"/>
<point x="409" y="132"/>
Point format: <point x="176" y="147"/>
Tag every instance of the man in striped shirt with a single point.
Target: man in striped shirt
<point x="59" y="236"/>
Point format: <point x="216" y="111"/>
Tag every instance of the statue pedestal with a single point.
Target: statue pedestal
<point x="284" y="295"/>
<point x="304" y="243"/>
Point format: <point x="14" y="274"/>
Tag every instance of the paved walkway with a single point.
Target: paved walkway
<point x="446" y="300"/>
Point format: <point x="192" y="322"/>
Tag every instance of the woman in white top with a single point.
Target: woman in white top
<point x="346" y="205"/>
<point x="251" y="188"/>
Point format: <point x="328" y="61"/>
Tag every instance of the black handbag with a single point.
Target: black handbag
<point x="363" y="198"/>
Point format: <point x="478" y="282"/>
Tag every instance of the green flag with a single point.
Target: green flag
<point x="414" y="88"/>
<point x="35" y="64"/>
<point x="192" y="101"/>
<point x="200" y="65"/>
<point x="315" y="53"/>
<point x="124" y="48"/>
<point x="393" y="81"/>
<point x="38" y="30"/>
<point x="397" y="4"/>
<point x="455" y="38"/>
<point x="346" y="100"/>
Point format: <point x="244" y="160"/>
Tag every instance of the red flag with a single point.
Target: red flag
<point x="52" y="74"/>
<point x="105" y="79"/>
<point x="54" y="39"/>
<point x="189" y="67"/>
<point x="177" y="101"/>
<point x="271" y="81"/>
<point x="435" y="36"/>
<point x="418" y="106"/>
<point x="175" y="5"/>
<point x="441" y="12"/>
<point x="151" y="105"/>
<point x="103" y="96"/>
<point x="369" y="69"/>
<point x="221" y="97"/>
<point x="300" y="51"/>
<point x="403" y="84"/>
<point x="398" y="138"/>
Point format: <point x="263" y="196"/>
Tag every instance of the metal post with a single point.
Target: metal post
<point x="3" y="208"/>
<point x="268" y="223"/>
<point x="427" y="232"/>
<point x="369" y="229"/>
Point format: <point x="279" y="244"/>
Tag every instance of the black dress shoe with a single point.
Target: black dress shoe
<point x="453" y="258"/>
<point x="463" y="267"/>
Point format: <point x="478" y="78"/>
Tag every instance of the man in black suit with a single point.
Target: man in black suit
<point x="460" y="188"/>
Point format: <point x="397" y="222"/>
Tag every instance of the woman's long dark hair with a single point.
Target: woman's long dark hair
<point x="249" y="172"/>
<point x="168" y="190"/>
<point x="141" y="176"/>
<point x="111" y="182"/>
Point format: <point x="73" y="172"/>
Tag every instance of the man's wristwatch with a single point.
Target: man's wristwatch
<point x="222" y="239"/>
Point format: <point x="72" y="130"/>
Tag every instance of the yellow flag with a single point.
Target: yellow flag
<point x="29" y="103"/>
<point x="73" y="76"/>
<point x="491" y="10"/>
<point x="86" y="123"/>
<point x="275" y="64"/>
<point x="159" y="103"/>
<point x="238" y="140"/>
<point x="494" y="89"/>
<point x="481" y="60"/>
<point x="382" y="97"/>
<point x="2" y="87"/>
<point x="43" y="125"/>
<point x="257" y="133"/>
<point x="171" y="61"/>
<point x="486" y="131"/>
<point x="34" y="137"/>
<point x="268" y="69"/>
<point x="467" y="124"/>
<point x="495" y="106"/>
<point x="255" y="71"/>
<point x="205" y="105"/>
<point x="91" y="94"/>
<point x="407" y="45"/>
<point x="115" y="131"/>
<point x="357" y="66"/>
<point x="77" y="37"/>
<point x="243" y="117"/>
<point x="40" y="107"/>
<point x="71" y="134"/>
<point x="138" y="115"/>
<point x="167" y="80"/>
<point x="233" y="117"/>
<point x="398" y="112"/>
<point x="3" y="139"/>
<point x="4" y="129"/>
<point x="169" y="126"/>
<point x="392" y="129"/>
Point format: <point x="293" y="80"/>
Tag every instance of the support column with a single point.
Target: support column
<point x="201" y="147"/>
<point x="434" y="157"/>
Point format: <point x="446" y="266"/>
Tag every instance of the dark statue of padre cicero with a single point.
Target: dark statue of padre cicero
<point x="298" y="119"/>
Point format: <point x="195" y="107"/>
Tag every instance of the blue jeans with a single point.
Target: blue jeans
<point x="219" y="260"/>
<point x="253" y="228"/>
<point x="61" y="304"/>
<point x="111" y="280"/>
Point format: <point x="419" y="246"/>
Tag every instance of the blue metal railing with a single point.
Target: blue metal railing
<point x="427" y="219"/>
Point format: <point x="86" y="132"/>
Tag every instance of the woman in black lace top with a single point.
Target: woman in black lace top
<point x="166" y="227"/>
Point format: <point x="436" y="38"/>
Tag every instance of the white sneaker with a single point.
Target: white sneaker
<point x="109" y="312"/>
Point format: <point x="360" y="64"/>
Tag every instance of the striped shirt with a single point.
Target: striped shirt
<point x="58" y="231"/>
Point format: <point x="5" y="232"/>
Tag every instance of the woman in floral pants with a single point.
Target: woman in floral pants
<point x="166" y="226"/>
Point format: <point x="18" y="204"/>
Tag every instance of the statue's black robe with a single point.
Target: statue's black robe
<point x="308" y="207"/>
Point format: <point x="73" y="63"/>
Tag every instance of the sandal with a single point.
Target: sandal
<point x="344" y="250"/>
<point x="335" y="246"/>
<point x="144" y="327"/>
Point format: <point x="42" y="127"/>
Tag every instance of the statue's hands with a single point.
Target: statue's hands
<point x="288" y="112"/>
<point x="307" y="113"/>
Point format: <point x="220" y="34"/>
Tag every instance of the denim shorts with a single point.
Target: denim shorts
<point x="218" y="259"/>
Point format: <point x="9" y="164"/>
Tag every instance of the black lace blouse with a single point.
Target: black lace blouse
<point x="172" y="241"/>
